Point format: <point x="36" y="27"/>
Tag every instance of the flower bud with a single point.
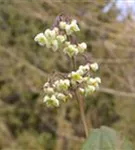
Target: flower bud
<point x="61" y="97"/>
<point x="71" y="50"/>
<point x="61" y="38"/>
<point x="82" y="47"/>
<point x="80" y="71"/>
<point x="49" y="90"/>
<point x="41" y="39"/>
<point x="75" y="77"/>
<point x="46" y="85"/>
<point x="68" y="29"/>
<point x="84" y="68"/>
<point x="62" y="25"/>
<point x="98" y="80"/>
<point x="62" y="85"/>
<point x="56" y="30"/>
<point x="50" y="34"/>
<point x="67" y="43"/>
<point x="91" y="81"/>
<point x="73" y="26"/>
<point x="89" y="90"/>
<point x="94" y="82"/>
<point x="51" y="101"/>
<point x="94" y="66"/>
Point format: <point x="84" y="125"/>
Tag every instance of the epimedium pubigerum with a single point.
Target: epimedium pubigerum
<point x="81" y="80"/>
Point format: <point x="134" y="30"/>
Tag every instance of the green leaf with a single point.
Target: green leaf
<point x="105" y="138"/>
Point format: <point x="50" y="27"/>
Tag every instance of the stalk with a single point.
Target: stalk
<point x="82" y="113"/>
<point x="81" y="104"/>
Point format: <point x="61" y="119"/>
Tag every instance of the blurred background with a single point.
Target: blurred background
<point x="108" y="28"/>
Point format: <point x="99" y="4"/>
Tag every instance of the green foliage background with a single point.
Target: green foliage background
<point x="25" y="123"/>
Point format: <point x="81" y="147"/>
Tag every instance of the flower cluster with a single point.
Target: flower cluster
<point x="83" y="80"/>
<point x="69" y="28"/>
<point x="50" y="38"/>
<point x="56" y="92"/>
<point x="80" y="80"/>
<point x="58" y="39"/>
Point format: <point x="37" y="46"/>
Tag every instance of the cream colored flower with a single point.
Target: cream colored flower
<point x="61" y="38"/>
<point x="41" y="39"/>
<point x="51" y="101"/>
<point x="62" y="25"/>
<point x="50" y="34"/>
<point x="82" y="47"/>
<point x="73" y="26"/>
<point x="94" y="66"/>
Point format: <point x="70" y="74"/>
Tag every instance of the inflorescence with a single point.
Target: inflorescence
<point x="58" y="38"/>
<point x="81" y="80"/>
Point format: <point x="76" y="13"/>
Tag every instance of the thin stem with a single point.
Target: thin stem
<point x="74" y="62"/>
<point x="80" y="102"/>
<point x="81" y="107"/>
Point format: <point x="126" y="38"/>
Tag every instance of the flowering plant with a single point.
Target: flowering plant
<point x="78" y="83"/>
<point x="59" y="38"/>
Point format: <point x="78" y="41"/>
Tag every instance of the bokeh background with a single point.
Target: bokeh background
<point x="25" y="122"/>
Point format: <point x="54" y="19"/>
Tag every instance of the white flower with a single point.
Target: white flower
<point x="98" y="80"/>
<point x="75" y="77"/>
<point x="62" y="85"/>
<point x="50" y="34"/>
<point x="56" y="30"/>
<point x="47" y="33"/>
<point x="61" y="97"/>
<point x="82" y="47"/>
<point x="68" y="29"/>
<point x="49" y="90"/>
<point x="90" y="89"/>
<point x="51" y="101"/>
<point x="94" y="66"/>
<point x="62" y="25"/>
<point x="67" y="43"/>
<point x="61" y="38"/>
<point x="71" y="50"/>
<point x="48" y="43"/>
<point x="94" y="82"/>
<point x="55" y="45"/>
<point x="47" y="84"/>
<point x="67" y="82"/>
<point x="85" y="68"/>
<point x="41" y="39"/>
<point x="80" y="71"/>
<point x="74" y="27"/>
<point x="85" y="79"/>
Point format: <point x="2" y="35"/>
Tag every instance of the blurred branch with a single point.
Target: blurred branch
<point x="109" y="61"/>
<point x="117" y="93"/>
<point x="26" y="63"/>
<point x="114" y="61"/>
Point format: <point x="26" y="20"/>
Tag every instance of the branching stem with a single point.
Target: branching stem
<point x="81" y="103"/>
